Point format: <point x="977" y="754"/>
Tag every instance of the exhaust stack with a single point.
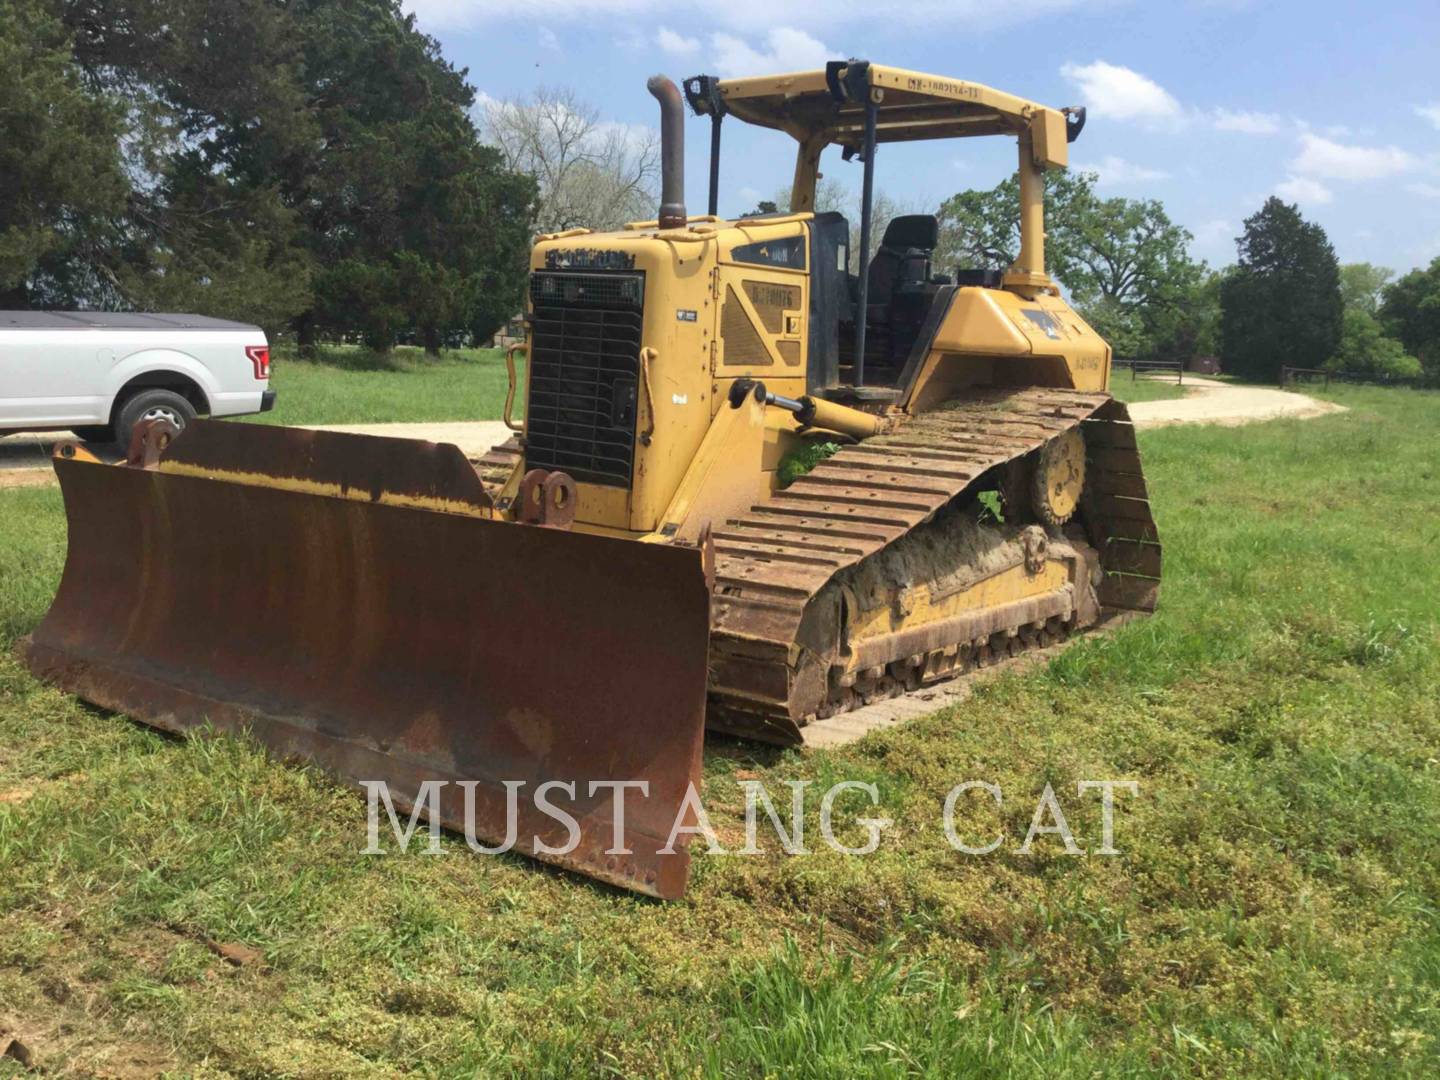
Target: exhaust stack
<point x="672" y="152"/>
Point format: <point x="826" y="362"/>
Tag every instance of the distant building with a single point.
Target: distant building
<point x="1204" y="365"/>
<point x="511" y="332"/>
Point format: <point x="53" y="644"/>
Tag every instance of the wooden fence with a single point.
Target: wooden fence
<point x="1146" y="366"/>
<point x="1291" y="375"/>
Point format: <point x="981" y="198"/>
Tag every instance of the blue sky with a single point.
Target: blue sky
<point x="1207" y="105"/>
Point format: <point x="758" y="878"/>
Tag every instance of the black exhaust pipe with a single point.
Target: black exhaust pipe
<point x="672" y="152"/>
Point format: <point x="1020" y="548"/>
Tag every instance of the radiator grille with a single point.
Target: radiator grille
<point x="584" y="372"/>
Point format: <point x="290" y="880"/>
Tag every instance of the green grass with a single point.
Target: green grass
<point x="1273" y="911"/>
<point x="347" y="385"/>
<point x="1162" y="388"/>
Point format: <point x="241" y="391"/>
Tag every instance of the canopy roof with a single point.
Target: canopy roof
<point x="910" y="106"/>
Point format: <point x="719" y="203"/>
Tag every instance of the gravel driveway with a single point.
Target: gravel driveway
<point x="1214" y="402"/>
<point x="24" y="458"/>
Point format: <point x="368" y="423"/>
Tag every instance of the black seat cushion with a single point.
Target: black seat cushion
<point x="904" y="255"/>
<point x="912" y="231"/>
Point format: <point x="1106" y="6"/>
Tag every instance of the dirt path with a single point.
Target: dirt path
<point x="25" y="459"/>
<point x="473" y="438"/>
<point x="1213" y="402"/>
<point x="1209" y="401"/>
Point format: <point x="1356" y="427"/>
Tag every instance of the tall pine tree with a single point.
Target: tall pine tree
<point x="1281" y="306"/>
<point x="60" y="175"/>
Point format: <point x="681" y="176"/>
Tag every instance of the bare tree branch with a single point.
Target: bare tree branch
<point x="590" y="172"/>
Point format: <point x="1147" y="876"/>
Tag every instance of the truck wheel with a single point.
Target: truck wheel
<point x="98" y="434"/>
<point x="151" y="405"/>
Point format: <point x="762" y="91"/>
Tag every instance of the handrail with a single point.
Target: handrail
<point x="646" y="355"/>
<point x="510" y="393"/>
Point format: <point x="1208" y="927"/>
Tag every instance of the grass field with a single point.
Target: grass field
<point x="348" y="385"/>
<point x="1273" y="911"/>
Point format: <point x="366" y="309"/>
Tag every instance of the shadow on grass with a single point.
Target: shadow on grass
<point x="743" y="753"/>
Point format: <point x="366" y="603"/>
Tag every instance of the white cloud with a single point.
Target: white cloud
<point x="1303" y="189"/>
<point x="1116" y="170"/>
<point x="1327" y="160"/>
<point x="1119" y="93"/>
<point x="1430" y="112"/>
<point x="1213" y="231"/>
<point x="1247" y="123"/>
<point x="437" y="14"/>
<point x="756" y="15"/>
<point x="1424" y="190"/>
<point x="752" y="16"/>
<point x="785" y="49"/>
<point x="631" y="39"/>
<point x="677" y="44"/>
<point x="1331" y="131"/>
<point x="548" y="40"/>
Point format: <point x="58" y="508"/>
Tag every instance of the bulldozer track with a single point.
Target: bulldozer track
<point x="771" y="562"/>
<point x="497" y="463"/>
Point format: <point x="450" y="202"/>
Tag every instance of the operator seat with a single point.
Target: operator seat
<point x="903" y="258"/>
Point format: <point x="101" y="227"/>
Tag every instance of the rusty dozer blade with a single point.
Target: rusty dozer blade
<point x="341" y="597"/>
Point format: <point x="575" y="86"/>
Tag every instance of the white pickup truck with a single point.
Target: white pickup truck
<point x="98" y="373"/>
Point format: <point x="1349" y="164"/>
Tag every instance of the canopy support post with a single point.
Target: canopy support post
<point x="867" y="199"/>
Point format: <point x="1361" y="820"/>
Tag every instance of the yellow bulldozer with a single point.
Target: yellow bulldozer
<point x="751" y="491"/>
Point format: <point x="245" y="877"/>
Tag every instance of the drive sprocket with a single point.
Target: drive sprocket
<point x="1059" y="478"/>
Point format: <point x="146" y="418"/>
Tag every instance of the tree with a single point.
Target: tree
<point x="1281" y="306"/>
<point x="981" y="229"/>
<point x="60" y="175"/>
<point x="231" y="254"/>
<point x="310" y="164"/>
<point x="1124" y="262"/>
<point x="1204" y="311"/>
<point x="1129" y="257"/>
<point x="1126" y="250"/>
<point x="1361" y="285"/>
<point x="1410" y="310"/>
<point x="1364" y="347"/>
<point x="413" y="223"/>
<point x="212" y="108"/>
<point x="1122" y="326"/>
<point x="590" y="173"/>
